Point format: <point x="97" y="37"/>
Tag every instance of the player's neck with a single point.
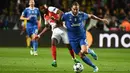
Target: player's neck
<point x="74" y="14"/>
<point x="32" y="7"/>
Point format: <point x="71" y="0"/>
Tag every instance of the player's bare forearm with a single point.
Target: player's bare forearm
<point x="99" y="19"/>
<point x="23" y="18"/>
<point x="44" y="30"/>
<point x="95" y="17"/>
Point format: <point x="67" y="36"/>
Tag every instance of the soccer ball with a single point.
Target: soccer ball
<point x="78" y="67"/>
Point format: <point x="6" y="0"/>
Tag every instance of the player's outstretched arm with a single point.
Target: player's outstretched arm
<point x="97" y="18"/>
<point x="24" y="18"/>
<point x="44" y="30"/>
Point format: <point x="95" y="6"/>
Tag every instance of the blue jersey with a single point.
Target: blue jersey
<point x="31" y="26"/>
<point x="33" y="13"/>
<point x="75" y="25"/>
<point x="75" y="29"/>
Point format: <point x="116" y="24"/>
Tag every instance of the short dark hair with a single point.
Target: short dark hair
<point x="75" y="4"/>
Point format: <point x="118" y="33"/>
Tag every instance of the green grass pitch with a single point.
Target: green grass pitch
<point x="18" y="60"/>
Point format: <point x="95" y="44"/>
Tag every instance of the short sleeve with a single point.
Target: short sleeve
<point x="38" y="12"/>
<point x="85" y="16"/>
<point x="63" y="17"/>
<point x="24" y="13"/>
<point x="53" y="9"/>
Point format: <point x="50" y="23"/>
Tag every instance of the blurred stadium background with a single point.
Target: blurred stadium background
<point x="116" y="11"/>
<point x="111" y="42"/>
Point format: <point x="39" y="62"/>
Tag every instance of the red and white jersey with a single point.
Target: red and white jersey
<point x="50" y="16"/>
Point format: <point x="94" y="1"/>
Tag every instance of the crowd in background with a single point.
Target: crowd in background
<point x="116" y="11"/>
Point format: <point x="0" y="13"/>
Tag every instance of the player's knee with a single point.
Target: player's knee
<point x="81" y="55"/>
<point x="84" y="51"/>
<point x="69" y="47"/>
<point x="54" y="42"/>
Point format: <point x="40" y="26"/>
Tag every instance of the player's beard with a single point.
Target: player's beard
<point x="75" y="13"/>
<point x="32" y="5"/>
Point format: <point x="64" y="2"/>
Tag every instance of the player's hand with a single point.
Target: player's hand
<point x="29" y="17"/>
<point x="37" y="37"/>
<point x="21" y="33"/>
<point x="105" y="21"/>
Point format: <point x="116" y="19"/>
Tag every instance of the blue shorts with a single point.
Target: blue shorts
<point x="31" y="29"/>
<point x="76" y="45"/>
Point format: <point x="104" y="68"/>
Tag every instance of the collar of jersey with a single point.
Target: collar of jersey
<point x="73" y="14"/>
<point x="31" y="8"/>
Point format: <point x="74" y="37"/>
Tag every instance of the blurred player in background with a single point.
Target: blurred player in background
<point x="77" y="35"/>
<point x="32" y="15"/>
<point x="51" y="17"/>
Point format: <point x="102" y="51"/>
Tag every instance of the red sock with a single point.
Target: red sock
<point x="72" y="53"/>
<point x="53" y="49"/>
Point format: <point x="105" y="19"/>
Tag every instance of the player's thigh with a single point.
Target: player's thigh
<point x="64" y="37"/>
<point x="84" y="44"/>
<point x="34" y="31"/>
<point x="29" y="31"/>
<point x="75" y="46"/>
<point x="56" y="34"/>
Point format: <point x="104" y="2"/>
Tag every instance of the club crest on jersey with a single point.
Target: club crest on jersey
<point x="29" y="12"/>
<point x="80" y="18"/>
<point x="35" y="12"/>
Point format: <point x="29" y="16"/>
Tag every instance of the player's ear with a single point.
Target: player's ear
<point x="71" y="8"/>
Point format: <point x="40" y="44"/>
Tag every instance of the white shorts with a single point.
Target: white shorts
<point x="60" y="33"/>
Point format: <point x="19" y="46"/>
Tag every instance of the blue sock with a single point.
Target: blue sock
<point x="35" y="45"/>
<point x="87" y="61"/>
<point x="90" y="51"/>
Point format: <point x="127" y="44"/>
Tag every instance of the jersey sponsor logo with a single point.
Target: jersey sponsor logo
<point x="33" y="15"/>
<point x="73" y="25"/>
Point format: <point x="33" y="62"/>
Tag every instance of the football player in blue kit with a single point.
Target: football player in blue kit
<point x="31" y="14"/>
<point x="74" y="22"/>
